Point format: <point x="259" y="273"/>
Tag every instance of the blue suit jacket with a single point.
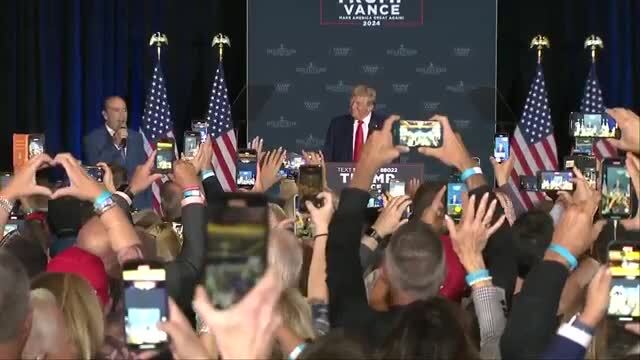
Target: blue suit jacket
<point x="98" y="146"/>
<point x="338" y="143"/>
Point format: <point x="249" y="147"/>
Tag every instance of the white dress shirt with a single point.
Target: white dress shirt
<point x="112" y="132"/>
<point x="365" y="131"/>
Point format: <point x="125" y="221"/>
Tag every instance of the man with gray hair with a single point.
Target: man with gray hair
<point x="285" y="256"/>
<point x="48" y="338"/>
<point x="15" y="311"/>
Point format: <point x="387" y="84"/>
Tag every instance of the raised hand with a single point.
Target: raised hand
<point x="313" y="157"/>
<point x="633" y="167"/>
<point x="202" y="160"/>
<point x="475" y="228"/>
<point x="81" y="185"/>
<point x="597" y="298"/>
<point x="629" y="124"/>
<point x="502" y="170"/>
<point x="270" y="168"/>
<point x="413" y="186"/>
<point x="185" y="344"/>
<point x="246" y="330"/>
<point x="23" y="182"/>
<point x="256" y="144"/>
<point x="143" y="177"/>
<point x="390" y="217"/>
<point x="185" y="174"/>
<point x="321" y="217"/>
<point x="107" y="177"/>
<point x="452" y="152"/>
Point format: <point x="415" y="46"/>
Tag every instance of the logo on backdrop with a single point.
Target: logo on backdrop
<point x="402" y="51"/>
<point x="430" y="105"/>
<point x="461" y="51"/>
<point x="400" y="88"/>
<point x="458" y="87"/>
<point x="310" y="142"/>
<point x="339" y="88"/>
<point x="372" y="13"/>
<point x="281" y="51"/>
<point x="341" y="51"/>
<point x="311" y="69"/>
<point x="281" y="124"/>
<point x="312" y="105"/>
<point x="371" y="69"/>
<point x="431" y="69"/>
<point x="282" y="87"/>
<point x="461" y="124"/>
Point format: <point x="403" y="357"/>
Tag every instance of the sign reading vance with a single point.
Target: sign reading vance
<point x="372" y="12"/>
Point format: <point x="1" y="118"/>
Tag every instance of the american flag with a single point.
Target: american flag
<point x="156" y="124"/>
<point x="533" y="143"/>
<point x="225" y="148"/>
<point x="592" y="102"/>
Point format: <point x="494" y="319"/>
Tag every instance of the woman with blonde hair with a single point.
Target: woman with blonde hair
<point x="83" y="317"/>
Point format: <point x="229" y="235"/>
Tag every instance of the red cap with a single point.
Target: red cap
<point x="75" y="260"/>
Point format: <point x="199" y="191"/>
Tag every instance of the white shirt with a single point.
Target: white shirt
<point x="365" y="131"/>
<point x="112" y="132"/>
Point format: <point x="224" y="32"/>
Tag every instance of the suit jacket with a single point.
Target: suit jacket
<point x="338" y="144"/>
<point x="98" y="146"/>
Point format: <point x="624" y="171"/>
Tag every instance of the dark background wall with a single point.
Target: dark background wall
<point x="58" y="59"/>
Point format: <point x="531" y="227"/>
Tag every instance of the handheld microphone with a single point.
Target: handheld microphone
<point x="123" y="142"/>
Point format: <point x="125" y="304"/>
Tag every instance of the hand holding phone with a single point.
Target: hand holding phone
<point x="165" y="156"/>
<point x="624" y="266"/>
<point x="145" y="304"/>
<point x="454" y="199"/>
<point x="309" y="186"/>
<point x="594" y="125"/>
<point x="191" y="143"/>
<point x="95" y="172"/>
<point x="417" y="133"/>
<point x="555" y="181"/>
<point x="501" y="149"/>
<point x="246" y="169"/>
<point x="617" y="190"/>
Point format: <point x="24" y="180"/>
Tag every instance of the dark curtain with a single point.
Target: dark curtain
<point x="59" y="59"/>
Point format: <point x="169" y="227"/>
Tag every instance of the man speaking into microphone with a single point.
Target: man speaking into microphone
<point x="115" y="143"/>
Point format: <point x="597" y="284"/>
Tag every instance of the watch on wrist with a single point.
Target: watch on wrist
<point x="129" y="193"/>
<point x="372" y="233"/>
<point x="576" y="323"/>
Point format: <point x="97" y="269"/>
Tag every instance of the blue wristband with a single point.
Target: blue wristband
<point x="479" y="274"/>
<point x="104" y="195"/>
<point x="190" y="193"/>
<point x="562" y="251"/>
<point x="470" y="172"/>
<point x="206" y="174"/>
<point x="297" y="351"/>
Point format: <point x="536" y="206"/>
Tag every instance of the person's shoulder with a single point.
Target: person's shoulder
<point x="340" y="118"/>
<point x="94" y="134"/>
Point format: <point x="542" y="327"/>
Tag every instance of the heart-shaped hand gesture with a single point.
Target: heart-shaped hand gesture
<point x="81" y="185"/>
<point x="23" y="183"/>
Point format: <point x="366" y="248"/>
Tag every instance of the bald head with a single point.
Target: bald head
<point x="48" y="337"/>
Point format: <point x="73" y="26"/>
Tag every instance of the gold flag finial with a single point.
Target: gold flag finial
<point x="593" y="43"/>
<point x="158" y="39"/>
<point x="540" y="42"/>
<point x="220" y="41"/>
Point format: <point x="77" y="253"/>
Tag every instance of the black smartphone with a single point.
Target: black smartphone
<point x="593" y="125"/>
<point x="583" y="146"/>
<point x="555" y="180"/>
<point x="417" y="133"/>
<point x="624" y="294"/>
<point x="455" y="188"/>
<point x="501" y="148"/>
<point x="236" y="255"/>
<point x="246" y="169"/>
<point x="36" y="145"/>
<point x="617" y="190"/>
<point x="145" y="304"/>
<point x="201" y="128"/>
<point x="309" y="186"/>
<point x="529" y="183"/>
<point x="587" y="166"/>
<point x="95" y="172"/>
<point x="165" y="156"/>
<point x="191" y="143"/>
<point x="376" y="197"/>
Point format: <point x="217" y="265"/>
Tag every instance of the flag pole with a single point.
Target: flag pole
<point x="158" y="39"/>
<point x="594" y="43"/>
<point x="540" y="42"/>
<point x="220" y="41"/>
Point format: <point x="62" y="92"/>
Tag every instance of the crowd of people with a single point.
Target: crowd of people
<point x="498" y="283"/>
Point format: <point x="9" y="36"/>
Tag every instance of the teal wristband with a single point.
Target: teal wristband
<point x="470" y="172"/>
<point x="104" y="195"/>
<point x="476" y="275"/>
<point x="562" y="251"/>
<point x="297" y="351"/>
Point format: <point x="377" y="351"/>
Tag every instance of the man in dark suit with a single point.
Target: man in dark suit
<point x="347" y="133"/>
<point x="114" y="143"/>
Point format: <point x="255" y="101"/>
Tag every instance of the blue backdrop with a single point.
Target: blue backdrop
<point x="58" y="59"/>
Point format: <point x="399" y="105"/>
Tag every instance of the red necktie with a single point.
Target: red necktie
<point x="357" y="145"/>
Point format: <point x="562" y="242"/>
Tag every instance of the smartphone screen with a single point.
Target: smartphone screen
<point x="396" y="188"/>
<point x="583" y="146"/>
<point x="9" y="228"/>
<point x="586" y="165"/>
<point x="376" y="197"/>
<point x="616" y="190"/>
<point x="246" y="168"/>
<point x="95" y="172"/>
<point x="624" y="295"/>
<point x="164" y="156"/>
<point x="191" y="143"/>
<point x="309" y="185"/>
<point x="418" y="133"/>
<point x="236" y="258"/>
<point x="595" y="125"/>
<point x="36" y="145"/>
<point x="501" y="147"/>
<point x="5" y="177"/>
<point x="201" y="128"/>
<point x="145" y="304"/>
<point x="529" y="183"/>
<point x="555" y="180"/>
<point x="454" y="199"/>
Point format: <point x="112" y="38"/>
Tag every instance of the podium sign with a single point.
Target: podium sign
<point x="339" y="174"/>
